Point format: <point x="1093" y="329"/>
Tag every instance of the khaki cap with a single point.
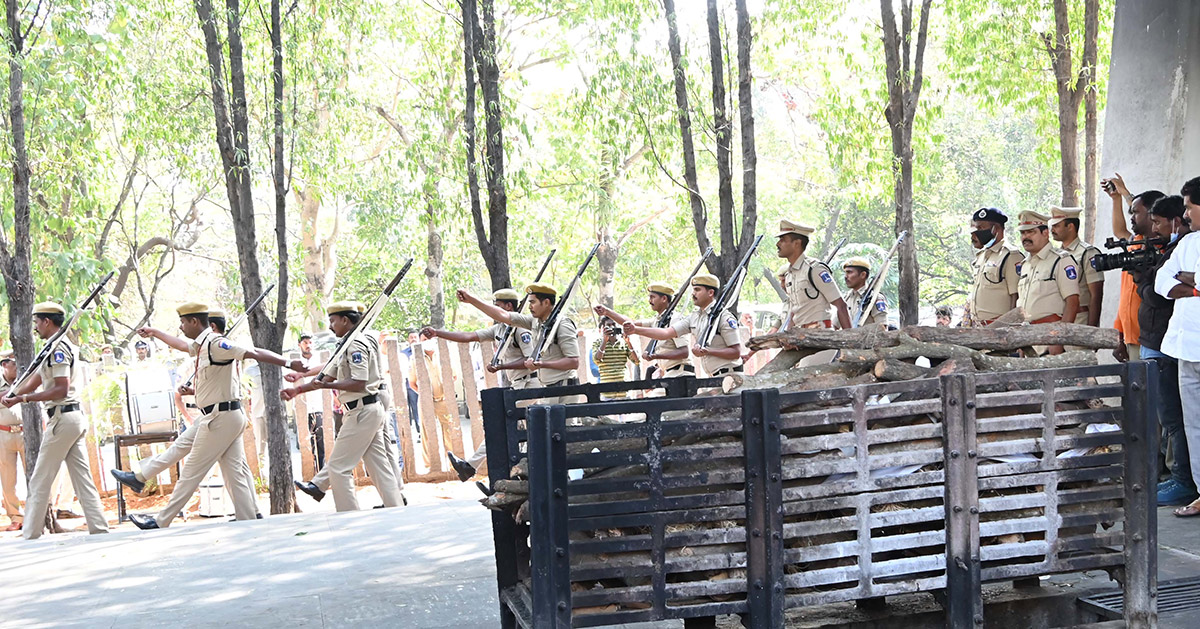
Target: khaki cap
<point x="1031" y="220"/>
<point x="192" y="308"/>
<point x="661" y="288"/>
<point x="859" y="262"/>
<point x="506" y="294"/>
<point x="7" y="355"/>
<point x="217" y="313"/>
<point x="48" y="308"/>
<point x="544" y="289"/>
<point x="1060" y="214"/>
<point x="705" y="279"/>
<point x="341" y="307"/>
<point x="791" y="227"/>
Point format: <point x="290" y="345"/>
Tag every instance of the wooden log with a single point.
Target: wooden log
<point x="892" y="369"/>
<point x="906" y="350"/>
<point x="471" y="395"/>
<point x="1010" y="318"/>
<point x="502" y="499"/>
<point x="396" y="382"/>
<point x="1074" y="358"/>
<point x="785" y="360"/>
<point x="513" y="486"/>
<point x="741" y="382"/>
<point x="449" y="405"/>
<point x="308" y="464"/>
<point x="1018" y="336"/>
<point x="821" y="338"/>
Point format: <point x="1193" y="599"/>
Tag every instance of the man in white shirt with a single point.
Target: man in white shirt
<point x="1177" y="280"/>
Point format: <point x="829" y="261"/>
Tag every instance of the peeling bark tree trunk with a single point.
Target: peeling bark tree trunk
<point x="1091" y="173"/>
<point x="433" y="266"/>
<point x="745" y="40"/>
<point x="320" y="255"/>
<point x="493" y="241"/>
<point x="722" y="130"/>
<point x="905" y="68"/>
<point x="232" y="135"/>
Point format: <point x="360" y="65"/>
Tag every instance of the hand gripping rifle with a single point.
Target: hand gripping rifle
<point x="664" y="319"/>
<point x="728" y="295"/>
<point x="550" y="327"/>
<point x="49" y="344"/>
<point x="367" y="319"/>
<point x="236" y="322"/>
<point x="508" y="330"/>
<point x="868" y="300"/>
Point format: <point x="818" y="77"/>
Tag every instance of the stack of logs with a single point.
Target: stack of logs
<point x="865" y="355"/>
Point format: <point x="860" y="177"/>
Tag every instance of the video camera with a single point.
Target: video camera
<point x="1143" y="259"/>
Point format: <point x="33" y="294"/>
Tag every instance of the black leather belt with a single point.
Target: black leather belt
<point x="687" y="368"/>
<point x="728" y="370"/>
<point x="189" y="405"/>
<point x="65" y="408"/>
<point x="370" y="399"/>
<point x="568" y="382"/>
<point x="222" y="406"/>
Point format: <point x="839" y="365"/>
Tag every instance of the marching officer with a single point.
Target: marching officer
<point x="65" y="437"/>
<point x="808" y="283"/>
<point x="670" y="356"/>
<point x="723" y="355"/>
<point x="12" y="444"/>
<point x="512" y="360"/>
<point x="1049" y="286"/>
<point x="218" y="394"/>
<point x="995" y="268"/>
<point x="560" y="357"/>
<point x="857" y="271"/>
<point x="358" y="381"/>
<point x="1064" y="227"/>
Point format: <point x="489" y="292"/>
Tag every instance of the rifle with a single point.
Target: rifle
<point x="367" y="319"/>
<point x="868" y="299"/>
<point x="508" y="330"/>
<point x="833" y="252"/>
<point x="49" y="345"/>
<point x="664" y="319"/>
<point x="236" y="322"/>
<point x="550" y="327"/>
<point x="728" y="295"/>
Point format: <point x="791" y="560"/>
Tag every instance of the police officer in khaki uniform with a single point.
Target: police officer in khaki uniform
<point x="670" y="356"/>
<point x="217" y="388"/>
<point x="1049" y="286"/>
<point x="357" y="379"/>
<point x="560" y="357"/>
<point x="857" y="271"/>
<point x="995" y="268"/>
<point x="1064" y="227"/>
<point x="65" y="437"/>
<point x="723" y="355"/>
<point x="12" y="444"/>
<point x="808" y="283"/>
<point x="511" y="362"/>
<point x="182" y="445"/>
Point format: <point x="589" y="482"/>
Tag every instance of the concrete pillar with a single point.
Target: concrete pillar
<point x="1156" y="56"/>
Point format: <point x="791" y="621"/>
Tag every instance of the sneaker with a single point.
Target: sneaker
<point x="1167" y="484"/>
<point x="1176" y="495"/>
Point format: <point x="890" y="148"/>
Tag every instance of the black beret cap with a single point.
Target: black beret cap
<point x="989" y="214"/>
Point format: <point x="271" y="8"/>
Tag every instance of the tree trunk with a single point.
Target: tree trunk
<point x="494" y="243"/>
<point x="1091" y="35"/>
<point x="745" y="41"/>
<point x="433" y="264"/>
<point x="1058" y="46"/>
<point x="690" y="179"/>
<point x="320" y="256"/>
<point x="470" y="21"/>
<point x="728" y="256"/>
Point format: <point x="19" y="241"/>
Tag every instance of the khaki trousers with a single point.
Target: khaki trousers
<point x="361" y="438"/>
<point x="218" y="440"/>
<point x="480" y="455"/>
<point x="177" y="451"/>
<point x="12" y="447"/>
<point x="321" y="478"/>
<point x="65" y="441"/>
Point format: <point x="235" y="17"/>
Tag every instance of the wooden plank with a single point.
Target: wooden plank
<point x="399" y="389"/>
<point x="327" y="432"/>
<point x="487" y="349"/>
<point x="308" y="462"/>
<point x="251" y="447"/>
<point x="471" y="395"/>
<point x="961" y="508"/>
<point x="429" y="425"/>
<point x="449" y="402"/>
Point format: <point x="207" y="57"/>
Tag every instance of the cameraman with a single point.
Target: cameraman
<point x="1126" y="322"/>
<point x="1154" y="314"/>
<point x="611" y="351"/>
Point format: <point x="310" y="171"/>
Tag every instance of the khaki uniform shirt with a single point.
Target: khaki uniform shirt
<point x="996" y="278"/>
<point x="854" y="303"/>
<point x="728" y="335"/>
<point x="810" y="291"/>
<point x="60" y="364"/>
<point x="1048" y="278"/>
<point x="216" y="382"/>
<point x="360" y="362"/>
<point x="1083" y="254"/>
<point x="563" y="345"/>
<point x="668" y="345"/>
<point x="520" y="347"/>
<point x="8" y="417"/>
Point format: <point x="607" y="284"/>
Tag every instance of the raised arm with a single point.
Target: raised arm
<point x="450" y="335"/>
<point x="662" y="334"/>
<point x="605" y="311"/>
<point x="174" y="342"/>
<point x="1116" y="190"/>
<point x="497" y="314"/>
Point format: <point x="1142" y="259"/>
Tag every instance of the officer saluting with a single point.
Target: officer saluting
<point x="724" y="354"/>
<point x="808" y="283"/>
<point x="64" y="440"/>
<point x="995" y="268"/>
<point x="1064" y="226"/>
<point x="857" y="270"/>
<point x="1049" y="286"/>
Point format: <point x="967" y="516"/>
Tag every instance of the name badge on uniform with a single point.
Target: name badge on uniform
<point x="60" y="357"/>
<point x="826" y="277"/>
<point x="356" y="358"/>
<point x="1071" y="273"/>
